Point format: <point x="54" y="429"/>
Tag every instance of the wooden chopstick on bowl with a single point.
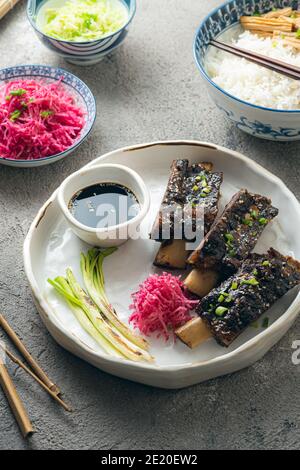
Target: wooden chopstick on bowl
<point x="15" y="402"/>
<point x="283" y="68"/>
<point x="17" y="361"/>
<point x="27" y="356"/>
<point x="6" y="6"/>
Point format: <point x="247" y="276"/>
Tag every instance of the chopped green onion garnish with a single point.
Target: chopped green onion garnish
<point x="203" y="194"/>
<point x="221" y="298"/>
<point x="204" y="184"/>
<point x="263" y="221"/>
<point x="18" y="92"/>
<point x="298" y="34"/>
<point x="220" y="311"/>
<point x="255" y="272"/>
<point x="8" y="98"/>
<point x="15" y="115"/>
<point x="198" y="178"/>
<point x="229" y="237"/>
<point x="45" y="114"/>
<point x="206" y="190"/>
<point x="266" y="263"/>
<point x="247" y="222"/>
<point x="254" y="214"/>
<point x="195" y="188"/>
<point x="234" y="285"/>
<point x="250" y="282"/>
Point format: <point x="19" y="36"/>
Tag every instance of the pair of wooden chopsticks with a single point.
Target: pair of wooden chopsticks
<point x="6" y="6"/>
<point x="283" y="68"/>
<point x="35" y="372"/>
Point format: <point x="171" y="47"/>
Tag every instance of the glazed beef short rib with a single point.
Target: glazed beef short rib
<point x="234" y="234"/>
<point x="260" y="281"/>
<point x="190" y="187"/>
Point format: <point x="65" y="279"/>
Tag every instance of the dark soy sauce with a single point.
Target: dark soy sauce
<point x="104" y="205"/>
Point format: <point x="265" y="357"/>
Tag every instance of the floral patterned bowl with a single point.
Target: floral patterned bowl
<point x="266" y="123"/>
<point x="76" y="88"/>
<point x="81" y="53"/>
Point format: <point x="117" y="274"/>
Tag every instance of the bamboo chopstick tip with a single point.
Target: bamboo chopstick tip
<point x="15" y="402"/>
<point x="29" y="433"/>
<point x="27" y="356"/>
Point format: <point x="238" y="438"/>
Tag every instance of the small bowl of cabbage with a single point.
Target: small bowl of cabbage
<point x="83" y="32"/>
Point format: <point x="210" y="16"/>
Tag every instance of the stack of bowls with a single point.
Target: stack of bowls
<point x="81" y="53"/>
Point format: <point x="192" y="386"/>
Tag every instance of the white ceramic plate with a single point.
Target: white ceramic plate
<point x="50" y="247"/>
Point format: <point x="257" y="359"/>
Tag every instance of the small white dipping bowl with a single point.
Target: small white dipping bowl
<point x="114" y="235"/>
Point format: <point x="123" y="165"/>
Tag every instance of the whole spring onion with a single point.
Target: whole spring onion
<point x="95" y="316"/>
<point x="62" y="286"/>
<point x="94" y="321"/>
<point x="92" y="271"/>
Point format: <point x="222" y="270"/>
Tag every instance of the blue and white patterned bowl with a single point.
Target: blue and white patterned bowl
<point x="93" y="58"/>
<point x="266" y="123"/>
<point x="81" y="53"/>
<point x="78" y="89"/>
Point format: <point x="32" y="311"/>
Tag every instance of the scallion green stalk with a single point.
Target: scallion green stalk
<point x="92" y="271"/>
<point x="111" y="334"/>
<point x="62" y="287"/>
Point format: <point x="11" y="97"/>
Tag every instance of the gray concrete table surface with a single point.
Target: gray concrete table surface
<point x="149" y="90"/>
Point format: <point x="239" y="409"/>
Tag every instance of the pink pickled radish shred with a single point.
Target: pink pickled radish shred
<point x="37" y="119"/>
<point x="160" y="305"/>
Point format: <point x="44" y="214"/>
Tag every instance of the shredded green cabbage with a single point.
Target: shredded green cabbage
<point x="85" y="20"/>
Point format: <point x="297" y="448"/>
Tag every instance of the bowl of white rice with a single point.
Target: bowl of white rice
<point x="258" y="101"/>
